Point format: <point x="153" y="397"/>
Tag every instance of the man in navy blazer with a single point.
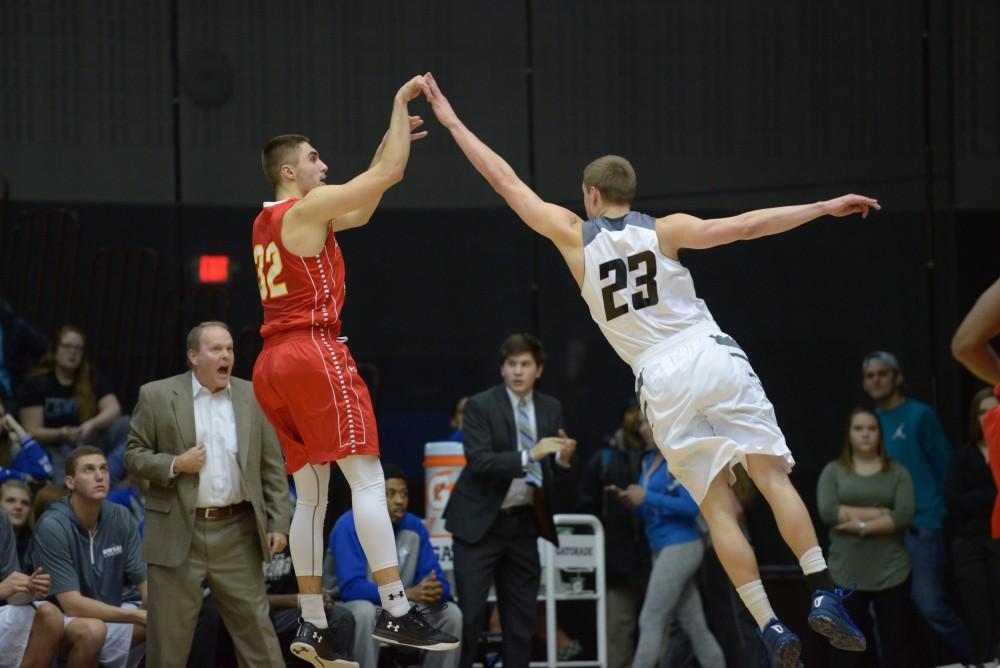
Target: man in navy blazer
<point x="514" y="444"/>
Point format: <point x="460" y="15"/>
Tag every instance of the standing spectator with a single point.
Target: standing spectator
<point x="867" y="500"/>
<point x="914" y="437"/>
<point x="90" y="547"/>
<point x="669" y="516"/>
<point x="217" y="504"/>
<point x="21" y="346"/>
<point x="500" y="504"/>
<point x="29" y="635"/>
<point x="619" y="464"/>
<point x="65" y="402"/>
<point x="15" y="497"/>
<point x="421" y="573"/>
<point x="971" y="492"/>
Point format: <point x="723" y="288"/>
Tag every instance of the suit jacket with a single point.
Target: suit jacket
<point x="493" y="460"/>
<point x="163" y="428"/>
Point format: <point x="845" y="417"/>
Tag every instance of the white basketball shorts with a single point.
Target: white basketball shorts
<point x="707" y="407"/>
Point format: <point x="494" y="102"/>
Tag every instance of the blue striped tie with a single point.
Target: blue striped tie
<point x="526" y="441"/>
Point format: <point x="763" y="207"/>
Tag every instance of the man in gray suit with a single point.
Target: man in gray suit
<point x="217" y="505"/>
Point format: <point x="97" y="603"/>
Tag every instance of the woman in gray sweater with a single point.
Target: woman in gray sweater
<point x="867" y="500"/>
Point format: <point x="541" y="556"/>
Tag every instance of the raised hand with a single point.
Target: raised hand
<point x="412" y="88"/>
<point x="848" y="204"/>
<point x="439" y="103"/>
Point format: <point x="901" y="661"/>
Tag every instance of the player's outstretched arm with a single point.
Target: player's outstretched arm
<point x="684" y="231"/>
<point x="971" y="343"/>
<point x="550" y="220"/>
<point x="362" y="215"/>
<point x="327" y="202"/>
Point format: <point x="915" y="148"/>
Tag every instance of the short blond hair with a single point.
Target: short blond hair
<point x="613" y="177"/>
<point x="278" y="151"/>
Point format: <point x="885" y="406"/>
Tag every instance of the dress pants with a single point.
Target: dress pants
<point x="508" y="556"/>
<point x="226" y="554"/>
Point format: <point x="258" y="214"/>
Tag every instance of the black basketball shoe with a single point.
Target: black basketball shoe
<point x="412" y="630"/>
<point x="316" y="646"/>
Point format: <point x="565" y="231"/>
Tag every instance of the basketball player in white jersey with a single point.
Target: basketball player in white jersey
<point x="694" y="383"/>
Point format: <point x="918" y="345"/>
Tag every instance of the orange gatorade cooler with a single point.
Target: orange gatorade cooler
<point x="443" y="462"/>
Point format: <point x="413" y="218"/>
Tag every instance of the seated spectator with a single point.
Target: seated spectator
<point x="64" y="402"/>
<point x="21" y="458"/>
<point x="15" y="498"/>
<point x="29" y="636"/>
<point x="425" y="582"/>
<point x="619" y="464"/>
<point x="970" y="492"/>
<point x="21" y="346"/>
<point x="91" y="548"/>
<point x="868" y="500"/>
<point x="669" y="515"/>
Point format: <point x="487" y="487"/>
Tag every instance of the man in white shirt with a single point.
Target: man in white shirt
<point x="217" y="504"/>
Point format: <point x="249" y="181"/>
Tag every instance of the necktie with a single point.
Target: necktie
<point x="526" y="441"/>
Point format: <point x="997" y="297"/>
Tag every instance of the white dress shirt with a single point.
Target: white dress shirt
<point x="220" y="482"/>
<point x="520" y="493"/>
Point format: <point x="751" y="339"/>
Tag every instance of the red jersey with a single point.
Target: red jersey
<point x="297" y="292"/>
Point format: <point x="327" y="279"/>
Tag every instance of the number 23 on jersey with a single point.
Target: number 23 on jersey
<point x="268" y="263"/>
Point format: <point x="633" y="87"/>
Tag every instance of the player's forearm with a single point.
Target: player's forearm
<point x="766" y="222"/>
<point x="970" y="345"/>
<point x="497" y="172"/>
<point x="394" y="152"/>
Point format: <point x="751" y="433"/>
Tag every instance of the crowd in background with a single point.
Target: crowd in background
<point x="907" y="513"/>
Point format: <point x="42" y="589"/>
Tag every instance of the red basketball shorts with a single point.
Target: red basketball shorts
<point x="308" y="386"/>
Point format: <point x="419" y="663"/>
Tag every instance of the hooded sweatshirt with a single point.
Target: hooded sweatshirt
<point x="98" y="565"/>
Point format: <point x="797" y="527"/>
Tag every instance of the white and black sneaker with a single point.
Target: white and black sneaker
<point x="316" y="646"/>
<point x="412" y="630"/>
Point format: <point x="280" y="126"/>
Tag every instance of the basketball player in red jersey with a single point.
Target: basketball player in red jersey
<point x="307" y="382"/>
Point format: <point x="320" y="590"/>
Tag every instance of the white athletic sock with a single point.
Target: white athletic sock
<point x="812" y="561"/>
<point x="312" y="609"/>
<point x="305" y="538"/>
<point x="755" y="598"/>
<point x="394" y="598"/>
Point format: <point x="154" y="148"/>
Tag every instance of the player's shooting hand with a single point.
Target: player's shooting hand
<point x="191" y="461"/>
<point x="411" y="88"/>
<point x="439" y="103"/>
<point x="848" y="204"/>
<point x="276" y="542"/>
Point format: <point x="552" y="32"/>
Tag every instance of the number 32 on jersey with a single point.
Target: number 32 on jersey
<point x="268" y="263"/>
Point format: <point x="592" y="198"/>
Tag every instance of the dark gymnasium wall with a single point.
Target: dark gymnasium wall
<point x="142" y="122"/>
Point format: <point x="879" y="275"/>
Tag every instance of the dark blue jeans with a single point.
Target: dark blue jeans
<point x="927" y="557"/>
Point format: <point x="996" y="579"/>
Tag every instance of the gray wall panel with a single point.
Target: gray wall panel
<point x="85" y="100"/>
<point x="723" y="97"/>
<point x="330" y="71"/>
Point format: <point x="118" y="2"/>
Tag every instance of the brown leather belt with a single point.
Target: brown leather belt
<point x="221" y="513"/>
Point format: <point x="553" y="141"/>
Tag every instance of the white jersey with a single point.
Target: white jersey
<point x="638" y="296"/>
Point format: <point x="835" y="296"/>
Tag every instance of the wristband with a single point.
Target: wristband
<point x="861" y="528"/>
